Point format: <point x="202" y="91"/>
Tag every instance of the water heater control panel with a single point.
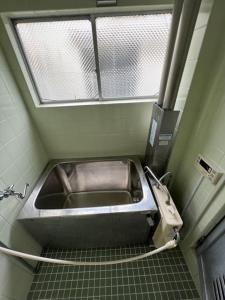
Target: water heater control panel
<point x="207" y="170"/>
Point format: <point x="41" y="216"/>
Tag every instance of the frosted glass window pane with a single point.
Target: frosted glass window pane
<point x="131" y="53"/>
<point x="60" y="55"/>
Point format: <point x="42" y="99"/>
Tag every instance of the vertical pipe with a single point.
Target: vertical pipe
<point x="189" y="201"/>
<point x="184" y="34"/>
<point x="171" y="42"/>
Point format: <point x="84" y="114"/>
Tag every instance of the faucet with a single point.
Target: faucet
<point x="9" y="191"/>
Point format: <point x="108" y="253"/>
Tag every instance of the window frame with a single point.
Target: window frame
<point x="17" y="43"/>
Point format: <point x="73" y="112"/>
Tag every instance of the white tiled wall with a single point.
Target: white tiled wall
<point x="22" y="158"/>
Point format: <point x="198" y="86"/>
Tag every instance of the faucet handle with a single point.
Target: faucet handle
<point x="22" y="196"/>
<point x="10" y="188"/>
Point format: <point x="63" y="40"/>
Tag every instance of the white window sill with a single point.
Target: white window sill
<point x="93" y="103"/>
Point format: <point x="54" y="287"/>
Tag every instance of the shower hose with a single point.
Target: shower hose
<point x="169" y="245"/>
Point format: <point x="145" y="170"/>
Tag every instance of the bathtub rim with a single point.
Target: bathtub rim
<point x="146" y="206"/>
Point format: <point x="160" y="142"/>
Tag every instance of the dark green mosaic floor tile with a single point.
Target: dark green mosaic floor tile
<point x="161" y="277"/>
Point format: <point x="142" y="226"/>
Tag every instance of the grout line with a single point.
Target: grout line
<point x="164" y="276"/>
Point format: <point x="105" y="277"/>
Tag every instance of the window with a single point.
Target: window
<point x="95" y="58"/>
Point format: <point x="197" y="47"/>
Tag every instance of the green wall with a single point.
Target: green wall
<point x="202" y="130"/>
<point x="22" y="159"/>
<point x="100" y="130"/>
<point x="106" y="130"/>
<point x="121" y="129"/>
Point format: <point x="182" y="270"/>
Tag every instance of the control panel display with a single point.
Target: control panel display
<point x="207" y="170"/>
<point x="205" y="165"/>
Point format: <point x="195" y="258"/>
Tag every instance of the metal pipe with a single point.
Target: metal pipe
<point x="171" y="42"/>
<point x="184" y="34"/>
<point x="97" y="64"/>
<point x="147" y="169"/>
<point x="189" y="201"/>
<point x="164" y="176"/>
<point x="21" y="260"/>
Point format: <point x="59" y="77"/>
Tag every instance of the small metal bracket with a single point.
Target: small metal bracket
<point x="177" y="236"/>
<point x="106" y="2"/>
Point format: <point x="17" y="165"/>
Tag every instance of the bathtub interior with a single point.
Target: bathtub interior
<point x="90" y="184"/>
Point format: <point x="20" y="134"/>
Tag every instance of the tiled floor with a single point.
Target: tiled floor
<point x="163" y="276"/>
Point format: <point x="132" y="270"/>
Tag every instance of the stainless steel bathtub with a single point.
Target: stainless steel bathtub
<point x="90" y="203"/>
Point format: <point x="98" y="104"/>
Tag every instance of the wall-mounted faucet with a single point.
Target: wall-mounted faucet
<point x="9" y="191"/>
